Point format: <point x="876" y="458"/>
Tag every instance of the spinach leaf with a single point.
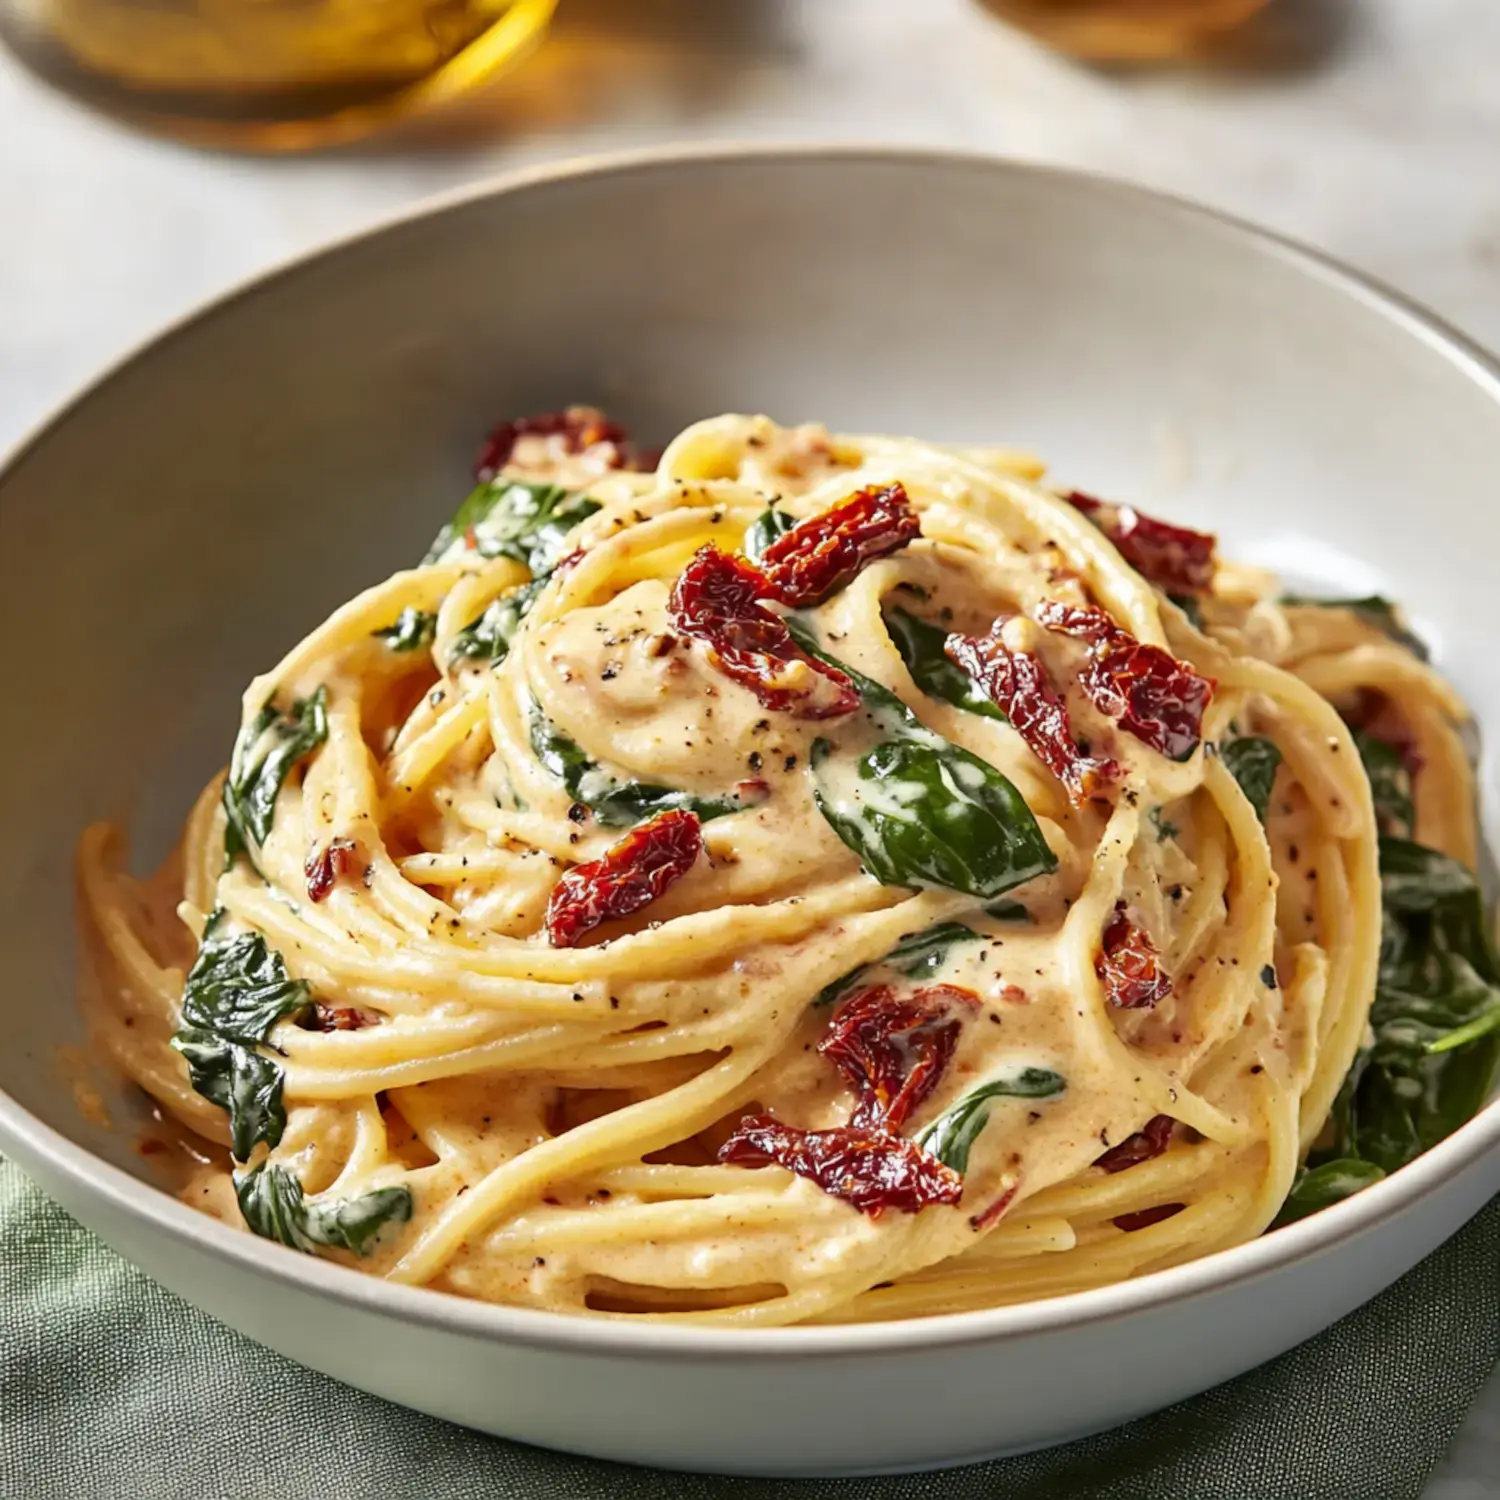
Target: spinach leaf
<point x="1008" y="911"/>
<point x="1375" y="610"/>
<point x="951" y="1136"/>
<point x="917" y="955"/>
<point x="272" y="1201"/>
<point x="1189" y="605"/>
<point x="924" y="811"/>
<point x="886" y="708"/>
<point x="921" y="648"/>
<point x="925" y="815"/>
<point x="1436" y="1036"/>
<point x="1319" y="1187"/>
<point x="490" y="636"/>
<point x="414" y="629"/>
<point x="1253" y="763"/>
<point x="614" y="803"/>
<point x="236" y="991"/>
<point x="511" y="518"/>
<point x="265" y="751"/>
<point x="1486" y="1023"/>
<point x="767" y="527"/>
<point x="1390" y="784"/>
<point x="1415" y="879"/>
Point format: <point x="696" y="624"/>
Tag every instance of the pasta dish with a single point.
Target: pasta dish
<point x="800" y="877"/>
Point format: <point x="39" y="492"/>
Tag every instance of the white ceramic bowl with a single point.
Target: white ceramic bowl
<point x="176" y="528"/>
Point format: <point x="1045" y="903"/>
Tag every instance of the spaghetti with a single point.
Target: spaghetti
<point x="814" y="878"/>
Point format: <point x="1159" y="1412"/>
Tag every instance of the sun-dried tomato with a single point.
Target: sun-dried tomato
<point x="629" y="875"/>
<point x="326" y="866"/>
<point x="893" y="1050"/>
<point x="870" y="1169"/>
<point x="1381" y="718"/>
<point x="827" y="551"/>
<point x="717" y="601"/>
<point x="1145" y="1145"/>
<point x="580" y="427"/>
<point x="1146" y="1217"/>
<point x="1127" y="963"/>
<point x="338" y="1018"/>
<point x="1175" y="558"/>
<point x="1146" y="690"/>
<point x="989" y="1216"/>
<point x="1016" y="681"/>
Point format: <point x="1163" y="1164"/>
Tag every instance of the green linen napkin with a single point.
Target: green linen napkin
<point x="113" y="1389"/>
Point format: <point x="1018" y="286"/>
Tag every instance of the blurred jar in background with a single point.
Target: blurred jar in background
<point x="1127" y="30"/>
<point x="270" y="75"/>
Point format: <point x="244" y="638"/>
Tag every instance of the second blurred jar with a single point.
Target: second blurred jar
<point x="270" y="74"/>
<point x="1127" y="30"/>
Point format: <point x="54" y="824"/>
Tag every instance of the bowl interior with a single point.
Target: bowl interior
<point x="175" y="530"/>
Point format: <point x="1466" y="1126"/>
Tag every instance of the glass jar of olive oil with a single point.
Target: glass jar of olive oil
<point x="270" y="75"/>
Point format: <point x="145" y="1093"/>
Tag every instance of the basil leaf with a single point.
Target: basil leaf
<point x="923" y="816"/>
<point x="1319" y="1187"/>
<point x="1436" y="1035"/>
<point x="236" y="991"/>
<point x="512" y="518"/>
<point x="918" y="954"/>
<point x="272" y="1201"/>
<point x="1390" y="784"/>
<point x="951" y="1136"/>
<point x="1253" y="763"/>
<point x="1375" y="610"/>
<point x="767" y="527"/>
<point x="921" y="648"/>
<point x="414" y="629"/>
<point x="491" y="635"/>
<point x="614" y="803"/>
<point x="265" y="751"/>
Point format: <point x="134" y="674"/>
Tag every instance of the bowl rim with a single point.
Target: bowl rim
<point x="31" y="1140"/>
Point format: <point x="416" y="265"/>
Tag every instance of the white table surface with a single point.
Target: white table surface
<point x="1370" y="128"/>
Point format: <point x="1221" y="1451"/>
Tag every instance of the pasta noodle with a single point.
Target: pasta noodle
<point x="457" y="1090"/>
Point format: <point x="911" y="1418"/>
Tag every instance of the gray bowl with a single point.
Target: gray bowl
<point x="177" y="527"/>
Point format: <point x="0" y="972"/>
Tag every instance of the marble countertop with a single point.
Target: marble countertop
<point x="1369" y="128"/>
